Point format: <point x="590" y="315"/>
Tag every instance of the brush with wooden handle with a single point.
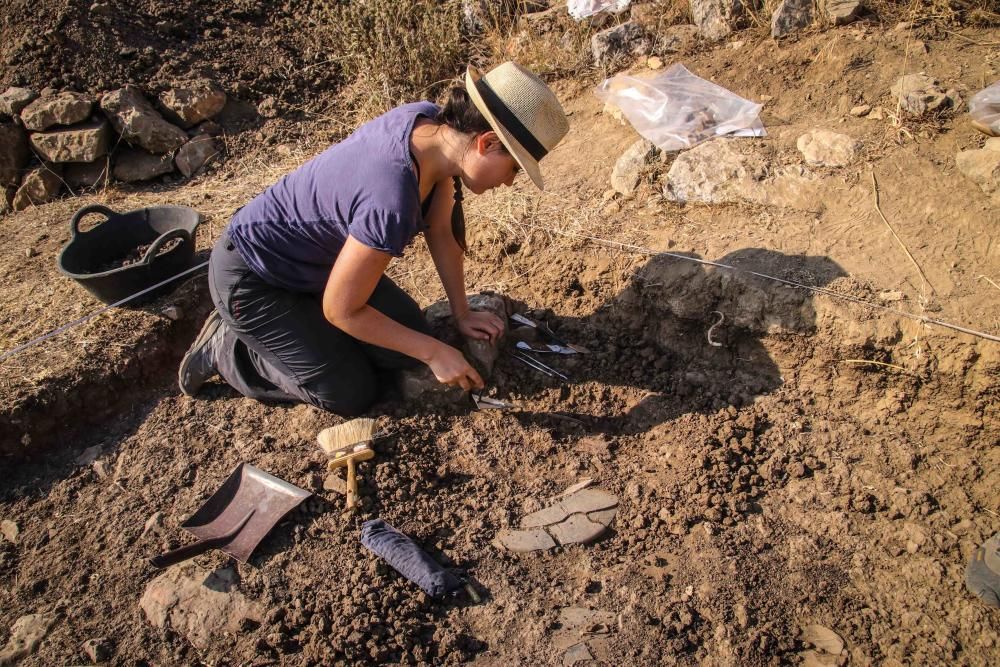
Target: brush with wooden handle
<point x="348" y="444"/>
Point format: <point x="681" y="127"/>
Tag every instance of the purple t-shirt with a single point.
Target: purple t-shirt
<point x="364" y="186"/>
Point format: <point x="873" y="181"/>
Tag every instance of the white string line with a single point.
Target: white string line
<point x="792" y="283"/>
<point x="85" y="318"/>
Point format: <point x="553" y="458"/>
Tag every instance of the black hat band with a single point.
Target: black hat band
<point x="510" y="121"/>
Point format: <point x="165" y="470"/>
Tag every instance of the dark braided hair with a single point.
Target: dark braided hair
<point x="460" y="113"/>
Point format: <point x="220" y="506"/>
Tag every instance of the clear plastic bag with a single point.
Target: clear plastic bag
<point x="581" y="9"/>
<point x="984" y="107"/>
<point x="676" y="109"/>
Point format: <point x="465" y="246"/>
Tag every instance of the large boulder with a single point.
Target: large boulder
<point x="716" y="18"/>
<point x="14" y="153"/>
<point x="983" y="167"/>
<point x="139" y="123"/>
<point x="823" y="148"/>
<point x="791" y="16"/>
<point x="13" y="100"/>
<point x="132" y="165"/>
<point x="202" y="607"/>
<point x="195" y="154"/>
<point x="627" y="40"/>
<point x="632" y="164"/>
<point x="80" y="143"/>
<point x="188" y="104"/>
<point x="61" y="109"/>
<point x="40" y="185"/>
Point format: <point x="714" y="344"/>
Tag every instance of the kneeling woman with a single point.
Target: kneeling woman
<point x="303" y="310"/>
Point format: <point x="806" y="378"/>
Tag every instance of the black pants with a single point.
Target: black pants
<point x="277" y="345"/>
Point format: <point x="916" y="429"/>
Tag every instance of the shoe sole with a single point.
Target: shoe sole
<point x="208" y="330"/>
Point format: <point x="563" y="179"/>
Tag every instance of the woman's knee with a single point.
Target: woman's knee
<point x="347" y="397"/>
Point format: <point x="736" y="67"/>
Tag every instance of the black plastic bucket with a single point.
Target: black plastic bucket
<point x="119" y="235"/>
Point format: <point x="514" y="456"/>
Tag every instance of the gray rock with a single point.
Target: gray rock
<point x="25" y="636"/>
<point x="677" y="39"/>
<point x="188" y="104"/>
<point x="420" y="384"/>
<point x="203" y="607"/>
<point x="40" y="185"/>
<point x="14" y="153"/>
<point x="13" y="100"/>
<point x="98" y="650"/>
<point x="485" y="352"/>
<point x="79" y="143"/>
<point x="87" y="174"/>
<point x="716" y="19"/>
<point x="138" y="122"/>
<point x="824" y="148"/>
<point x="715" y="172"/>
<point x="195" y="154"/>
<point x="918" y="93"/>
<point x="982" y="166"/>
<point x="627" y="40"/>
<point x="861" y="110"/>
<point x="61" y="109"/>
<point x="842" y="12"/>
<point x="791" y="16"/>
<point x="630" y="166"/>
<point x="132" y="165"/>
<point x="479" y="16"/>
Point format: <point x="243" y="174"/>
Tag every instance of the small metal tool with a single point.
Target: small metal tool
<point x="488" y="403"/>
<point x="548" y="333"/>
<point x="538" y="366"/>
<point x="547" y="348"/>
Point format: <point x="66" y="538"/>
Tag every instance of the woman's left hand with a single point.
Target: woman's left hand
<point x="481" y="325"/>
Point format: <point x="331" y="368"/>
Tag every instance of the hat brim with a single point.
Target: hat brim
<point x="517" y="151"/>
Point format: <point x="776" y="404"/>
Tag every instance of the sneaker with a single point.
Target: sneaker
<point x="198" y="364"/>
<point x="982" y="575"/>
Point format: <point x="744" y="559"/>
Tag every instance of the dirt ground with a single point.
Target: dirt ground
<point x="827" y="464"/>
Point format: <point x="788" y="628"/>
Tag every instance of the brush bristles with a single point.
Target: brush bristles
<point x="353" y="432"/>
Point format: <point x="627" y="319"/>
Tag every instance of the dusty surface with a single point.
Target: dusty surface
<point x="772" y="483"/>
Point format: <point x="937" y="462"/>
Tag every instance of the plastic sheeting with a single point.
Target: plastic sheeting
<point x="676" y="109"/>
<point x="984" y="107"/>
<point x="581" y="9"/>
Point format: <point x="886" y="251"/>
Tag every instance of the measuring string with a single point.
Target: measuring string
<point x="85" y="318"/>
<point x="812" y="288"/>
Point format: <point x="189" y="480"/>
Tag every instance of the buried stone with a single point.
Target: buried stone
<point x="579" y="518"/>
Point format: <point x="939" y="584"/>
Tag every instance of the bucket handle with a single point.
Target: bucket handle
<point x="74" y="224"/>
<point x="162" y="240"/>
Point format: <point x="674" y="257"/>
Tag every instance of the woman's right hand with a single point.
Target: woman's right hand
<point x="450" y="367"/>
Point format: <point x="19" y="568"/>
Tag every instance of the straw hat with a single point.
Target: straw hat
<point x="522" y="110"/>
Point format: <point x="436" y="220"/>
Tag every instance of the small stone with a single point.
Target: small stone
<point x="154" y="523"/>
<point x="715" y="19"/>
<point x="791" y="16"/>
<point x="14" y="100"/>
<point x="982" y="166"/>
<point x="172" y="313"/>
<point x="861" y="110"/>
<point x="878" y="113"/>
<point x="334" y="482"/>
<point x="29" y="253"/>
<point x="823" y="148"/>
<point x="88" y="456"/>
<point x="25" y="636"/>
<point x="628" y="170"/>
<point x="822" y="638"/>
<point x="100" y="469"/>
<point x="653" y="62"/>
<point x="61" y="109"/>
<point x="196" y="154"/>
<point x="891" y="296"/>
<point x="523" y="541"/>
<point x="610" y="45"/>
<point x="98" y="650"/>
<point x="190" y="103"/>
<point x="918" y="94"/>
<point x="40" y="186"/>
<point x="842" y="12"/>
<point x="132" y="165"/>
<point x="10" y="531"/>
